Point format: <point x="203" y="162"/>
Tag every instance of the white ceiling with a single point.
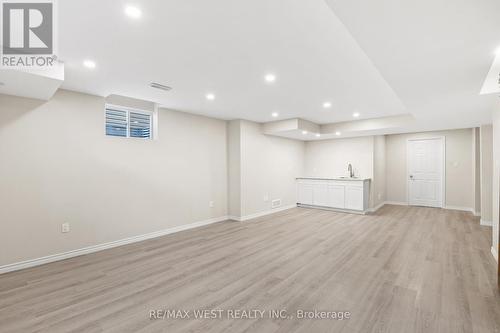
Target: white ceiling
<point x="491" y="84"/>
<point x="380" y="58"/>
<point x="32" y="82"/>
<point x="434" y="54"/>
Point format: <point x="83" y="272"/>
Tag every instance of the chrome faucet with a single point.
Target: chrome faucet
<point x="350" y="170"/>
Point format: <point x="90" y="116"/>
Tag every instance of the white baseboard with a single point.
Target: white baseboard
<point x="397" y="203"/>
<point x="104" y="246"/>
<point x="486" y="223"/>
<point x="374" y="209"/>
<point x="266" y="212"/>
<point x="494" y="252"/>
<point x="465" y="209"/>
<point x="402" y="203"/>
<point x="338" y="210"/>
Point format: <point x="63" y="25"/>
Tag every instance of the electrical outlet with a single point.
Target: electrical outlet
<point x="211" y="204"/>
<point x="65" y="227"/>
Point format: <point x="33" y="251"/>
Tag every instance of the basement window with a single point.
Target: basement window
<point x="128" y="123"/>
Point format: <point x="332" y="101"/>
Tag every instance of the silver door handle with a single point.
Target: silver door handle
<point x="411" y="177"/>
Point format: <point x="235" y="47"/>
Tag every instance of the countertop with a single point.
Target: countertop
<point x="335" y="178"/>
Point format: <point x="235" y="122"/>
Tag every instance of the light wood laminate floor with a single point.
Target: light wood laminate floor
<point x="403" y="269"/>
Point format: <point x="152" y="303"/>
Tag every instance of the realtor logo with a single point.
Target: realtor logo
<point x="27" y="33"/>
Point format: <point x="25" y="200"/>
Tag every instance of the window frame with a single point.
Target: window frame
<point x="127" y="111"/>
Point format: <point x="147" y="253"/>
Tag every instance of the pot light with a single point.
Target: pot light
<point x="327" y="105"/>
<point x="338" y="133"/>
<point x="355" y="114"/>
<point x="210" y="97"/>
<point x="270" y="78"/>
<point x="275" y="114"/>
<point x="497" y="51"/>
<point x="133" y="12"/>
<point x="304" y="132"/>
<point x="89" y="64"/>
<point x="318" y="135"/>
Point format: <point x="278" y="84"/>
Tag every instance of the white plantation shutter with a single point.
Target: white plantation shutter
<point x="140" y="125"/>
<point x="116" y="122"/>
<point x="128" y="123"/>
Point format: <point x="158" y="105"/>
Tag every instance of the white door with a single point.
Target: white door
<point x="320" y="194"/>
<point x="336" y="196"/>
<point x="354" y="197"/>
<point x="426" y="172"/>
<point x="305" y="195"/>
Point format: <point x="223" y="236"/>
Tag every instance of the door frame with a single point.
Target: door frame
<point x="443" y="166"/>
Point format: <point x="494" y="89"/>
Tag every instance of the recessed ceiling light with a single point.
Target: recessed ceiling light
<point x="337" y="133"/>
<point x="210" y="97"/>
<point x="304" y="132"/>
<point x="327" y="105"/>
<point x="133" y="12"/>
<point x="275" y="114"/>
<point x="270" y="78"/>
<point x="318" y="135"/>
<point x="355" y="114"/>
<point x="89" y="64"/>
<point x="497" y="51"/>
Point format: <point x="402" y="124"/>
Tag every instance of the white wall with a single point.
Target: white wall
<point x="476" y="170"/>
<point x="496" y="178"/>
<point x="58" y="166"/>
<point x="329" y="158"/>
<point x="459" y="166"/>
<point x="486" y="165"/>
<point x="234" y="167"/>
<point x="378" y="195"/>
<point x="269" y="166"/>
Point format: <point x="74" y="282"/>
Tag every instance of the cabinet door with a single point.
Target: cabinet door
<point x="336" y="196"/>
<point x="354" y="197"/>
<point x="305" y="195"/>
<point x="320" y="194"/>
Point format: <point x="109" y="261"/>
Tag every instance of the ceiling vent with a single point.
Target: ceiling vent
<point x="160" y="86"/>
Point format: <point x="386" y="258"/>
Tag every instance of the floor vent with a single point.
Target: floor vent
<point x="275" y="203"/>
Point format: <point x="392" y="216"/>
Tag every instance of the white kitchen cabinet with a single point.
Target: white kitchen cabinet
<point x="336" y="196"/>
<point x="341" y="194"/>
<point x="354" y="197"/>
<point x="305" y="193"/>
<point x="320" y="194"/>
